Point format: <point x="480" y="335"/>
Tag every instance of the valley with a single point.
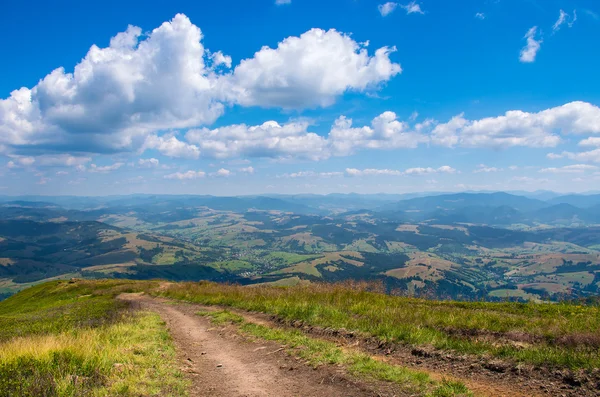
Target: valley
<point x="424" y="246"/>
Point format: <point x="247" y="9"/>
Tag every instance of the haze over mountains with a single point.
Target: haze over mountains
<point x="460" y="245"/>
<point x="498" y="208"/>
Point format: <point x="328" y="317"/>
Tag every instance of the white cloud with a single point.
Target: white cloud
<point x="385" y="132"/>
<point x="222" y="173"/>
<point x="425" y="171"/>
<point x="372" y="172"/>
<point x="118" y="96"/>
<point x="186" y="175"/>
<point x="575" y="168"/>
<point x="410" y="171"/>
<point x="308" y="71"/>
<point x="519" y="128"/>
<point x="20" y="161"/>
<point x="446" y="169"/>
<point x="170" y="146"/>
<point x="48" y="160"/>
<point x="219" y="59"/>
<point x="61" y="173"/>
<point x="486" y="169"/>
<point x="480" y="15"/>
<point x="563" y="18"/>
<point x="282" y="2"/>
<point x="592" y="141"/>
<point x="513" y="167"/>
<point x="105" y="168"/>
<point x="412" y="7"/>
<point x="529" y="52"/>
<point x="293" y="140"/>
<point x="312" y="174"/>
<point x="149" y="163"/>
<point x="247" y="170"/>
<point x="592" y="156"/>
<point x="269" y="139"/>
<point x="387" y="8"/>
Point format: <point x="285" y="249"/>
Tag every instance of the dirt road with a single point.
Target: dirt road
<point x="222" y="363"/>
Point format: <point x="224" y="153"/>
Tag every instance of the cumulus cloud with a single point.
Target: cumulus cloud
<point x="308" y="71"/>
<point x="529" y="52"/>
<point x="519" y="128"/>
<point x="575" y="168"/>
<point x="148" y="163"/>
<point x="222" y="173"/>
<point x="269" y="139"/>
<point x="118" y="96"/>
<point x="171" y="146"/>
<point x="385" y="132"/>
<point x="387" y="8"/>
<point x="480" y="15"/>
<point x="186" y="175"/>
<point x="592" y="141"/>
<point x="293" y="140"/>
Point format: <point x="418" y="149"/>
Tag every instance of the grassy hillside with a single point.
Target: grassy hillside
<point x="76" y="339"/>
<point x="557" y="335"/>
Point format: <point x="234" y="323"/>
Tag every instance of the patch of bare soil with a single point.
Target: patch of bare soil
<point x="484" y="375"/>
<point x="222" y="363"/>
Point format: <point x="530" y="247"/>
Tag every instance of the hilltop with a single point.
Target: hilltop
<point x="317" y="340"/>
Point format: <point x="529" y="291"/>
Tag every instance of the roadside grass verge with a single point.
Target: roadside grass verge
<point x="75" y="339"/>
<point x="58" y="306"/>
<point x="318" y="352"/>
<point x="560" y="335"/>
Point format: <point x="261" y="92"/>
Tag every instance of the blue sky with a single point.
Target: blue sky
<point x="302" y="97"/>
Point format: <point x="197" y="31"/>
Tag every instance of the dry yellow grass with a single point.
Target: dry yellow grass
<point x="6" y="262"/>
<point x="310" y="267"/>
<point x="408" y="228"/>
<point x="130" y="358"/>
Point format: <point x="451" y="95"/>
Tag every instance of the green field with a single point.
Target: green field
<point x="75" y="339"/>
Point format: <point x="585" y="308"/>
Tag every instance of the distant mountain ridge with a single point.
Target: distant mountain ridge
<point x="494" y="208"/>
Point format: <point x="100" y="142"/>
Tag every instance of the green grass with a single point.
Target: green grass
<point x="233" y="265"/>
<point x="291" y="258"/>
<point x="57" y="306"/>
<point x="441" y="324"/>
<point x="75" y="339"/>
<point x="318" y="352"/>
